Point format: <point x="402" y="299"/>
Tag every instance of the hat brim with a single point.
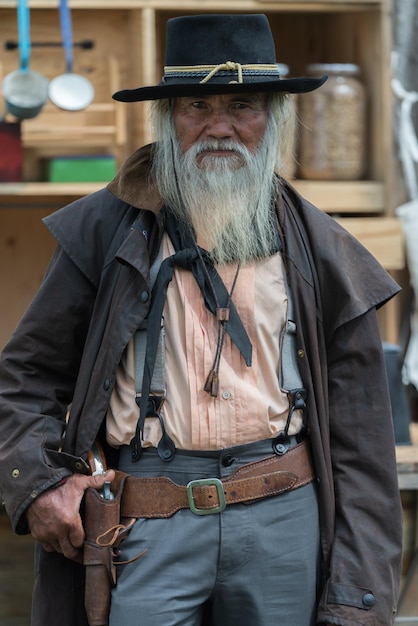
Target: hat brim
<point x="177" y="90"/>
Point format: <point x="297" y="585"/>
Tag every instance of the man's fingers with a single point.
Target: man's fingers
<point x="76" y="536"/>
<point x="100" y="479"/>
<point x="96" y="482"/>
<point x="65" y="548"/>
<point x="69" y="549"/>
<point x="48" y="547"/>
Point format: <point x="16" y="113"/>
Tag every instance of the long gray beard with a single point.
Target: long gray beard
<point x="227" y="201"/>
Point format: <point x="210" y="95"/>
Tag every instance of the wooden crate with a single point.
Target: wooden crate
<point x="103" y="124"/>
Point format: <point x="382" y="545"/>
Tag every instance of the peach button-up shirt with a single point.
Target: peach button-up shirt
<point x="250" y="405"/>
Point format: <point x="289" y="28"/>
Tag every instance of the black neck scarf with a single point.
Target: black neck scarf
<point x="215" y="295"/>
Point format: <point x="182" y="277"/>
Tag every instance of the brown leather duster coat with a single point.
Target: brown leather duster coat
<point x="94" y="295"/>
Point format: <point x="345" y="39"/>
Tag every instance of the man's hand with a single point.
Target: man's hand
<point x="54" y="517"/>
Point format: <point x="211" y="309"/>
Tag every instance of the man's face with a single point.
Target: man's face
<point x="239" y="119"/>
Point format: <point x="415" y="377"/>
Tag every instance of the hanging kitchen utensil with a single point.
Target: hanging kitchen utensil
<point x="24" y="91"/>
<point x="69" y="91"/>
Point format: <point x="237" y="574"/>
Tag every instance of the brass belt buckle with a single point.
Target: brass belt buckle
<point x="215" y="482"/>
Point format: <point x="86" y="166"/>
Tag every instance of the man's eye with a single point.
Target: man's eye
<point x="198" y="104"/>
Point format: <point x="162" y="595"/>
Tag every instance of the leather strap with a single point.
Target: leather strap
<point x="161" y="497"/>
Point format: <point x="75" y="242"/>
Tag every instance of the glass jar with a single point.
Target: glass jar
<point x="332" y="143"/>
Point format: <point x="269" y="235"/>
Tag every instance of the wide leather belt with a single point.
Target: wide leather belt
<point x="161" y="497"/>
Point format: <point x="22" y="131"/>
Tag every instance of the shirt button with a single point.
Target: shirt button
<point x="144" y="296"/>
<point x="106" y="384"/>
<point x="15" y="473"/>
<point x="226" y="395"/>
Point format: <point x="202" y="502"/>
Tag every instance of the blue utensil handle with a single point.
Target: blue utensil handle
<point x="23" y="24"/>
<point x="67" y="34"/>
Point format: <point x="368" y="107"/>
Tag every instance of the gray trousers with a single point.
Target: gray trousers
<point x="254" y="565"/>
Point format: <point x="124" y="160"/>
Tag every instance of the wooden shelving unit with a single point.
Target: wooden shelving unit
<point x="128" y="51"/>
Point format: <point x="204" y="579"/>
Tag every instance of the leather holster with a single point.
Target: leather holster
<point x="104" y="531"/>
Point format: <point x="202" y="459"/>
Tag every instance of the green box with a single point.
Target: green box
<point x="84" y="169"/>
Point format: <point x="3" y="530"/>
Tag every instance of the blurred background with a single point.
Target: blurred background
<point x="354" y="154"/>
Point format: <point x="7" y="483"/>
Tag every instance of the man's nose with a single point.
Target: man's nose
<point x="219" y="125"/>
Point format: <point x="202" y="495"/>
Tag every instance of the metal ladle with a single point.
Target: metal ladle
<point x="69" y="91"/>
<point x="25" y="91"/>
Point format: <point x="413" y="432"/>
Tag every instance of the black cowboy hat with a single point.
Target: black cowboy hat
<point x="213" y="54"/>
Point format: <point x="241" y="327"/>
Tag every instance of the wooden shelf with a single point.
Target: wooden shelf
<point x="344" y="197"/>
<point x="9" y="191"/>
<point x="382" y="237"/>
<point x="101" y="124"/>
<point x="333" y="197"/>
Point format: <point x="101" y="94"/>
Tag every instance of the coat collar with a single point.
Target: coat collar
<point x="134" y="182"/>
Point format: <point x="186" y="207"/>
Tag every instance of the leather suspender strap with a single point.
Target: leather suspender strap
<point x="289" y="369"/>
<point x="140" y="338"/>
<point x="157" y="387"/>
<point x="290" y="379"/>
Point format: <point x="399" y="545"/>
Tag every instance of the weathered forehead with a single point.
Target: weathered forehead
<point x="256" y="98"/>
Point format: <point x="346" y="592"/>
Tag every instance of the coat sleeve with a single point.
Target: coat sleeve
<point x="364" y="572"/>
<point x="38" y="371"/>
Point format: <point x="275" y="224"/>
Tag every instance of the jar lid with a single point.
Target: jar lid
<point x="333" y="68"/>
